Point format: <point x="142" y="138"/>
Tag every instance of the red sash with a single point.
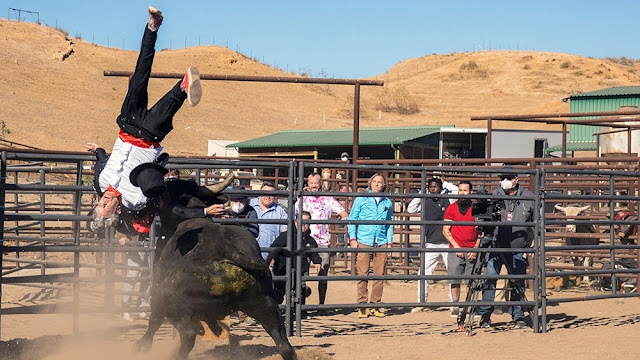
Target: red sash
<point x="116" y="192"/>
<point x="143" y="223"/>
<point x="135" y="141"/>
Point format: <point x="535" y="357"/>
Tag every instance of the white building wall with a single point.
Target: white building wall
<point x="520" y="143"/>
<point x="218" y="148"/>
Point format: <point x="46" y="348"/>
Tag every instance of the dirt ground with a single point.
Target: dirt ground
<point x="601" y="329"/>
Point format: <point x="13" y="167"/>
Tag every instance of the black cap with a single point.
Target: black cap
<point x="509" y="173"/>
<point x="237" y="196"/>
<point x="149" y="177"/>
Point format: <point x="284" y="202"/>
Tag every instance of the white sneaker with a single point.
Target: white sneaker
<point x="416" y="310"/>
<point x="155" y="19"/>
<point x="127" y="316"/>
<point x="143" y="315"/>
<point x="191" y="85"/>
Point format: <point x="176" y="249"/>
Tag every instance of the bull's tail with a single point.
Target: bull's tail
<point x="284" y="252"/>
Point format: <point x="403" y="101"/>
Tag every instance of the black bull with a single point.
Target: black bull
<point x="205" y="272"/>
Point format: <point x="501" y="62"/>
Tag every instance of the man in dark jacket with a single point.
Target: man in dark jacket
<point x="279" y="263"/>
<point x="434" y="239"/>
<point x="240" y="209"/>
<point x="514" y="210"/>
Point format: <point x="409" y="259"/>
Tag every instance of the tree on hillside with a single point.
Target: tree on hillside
<point x="4" y="130"/>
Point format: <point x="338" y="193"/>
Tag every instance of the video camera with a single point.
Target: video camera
<point x="487" y="210"/>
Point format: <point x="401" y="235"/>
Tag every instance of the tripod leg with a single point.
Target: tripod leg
<point x="472" y="309"/>
<point x="473" y="291"/>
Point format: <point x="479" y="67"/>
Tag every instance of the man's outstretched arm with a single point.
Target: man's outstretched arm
<point x="101" y="162"/>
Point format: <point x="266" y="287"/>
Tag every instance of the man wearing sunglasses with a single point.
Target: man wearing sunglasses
<point x="513" y="210"/>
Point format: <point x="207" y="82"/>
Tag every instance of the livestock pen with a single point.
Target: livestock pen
<point x="47" y="198"/>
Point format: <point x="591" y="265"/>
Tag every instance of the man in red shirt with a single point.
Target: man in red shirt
<point x="460" y="237"/>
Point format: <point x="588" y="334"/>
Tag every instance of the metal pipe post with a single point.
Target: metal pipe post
<point x="3" y="182"/>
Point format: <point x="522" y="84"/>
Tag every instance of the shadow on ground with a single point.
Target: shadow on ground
<point x="30" y="349"/>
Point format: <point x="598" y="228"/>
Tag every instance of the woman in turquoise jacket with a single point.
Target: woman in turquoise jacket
<point x="370" y="236"/>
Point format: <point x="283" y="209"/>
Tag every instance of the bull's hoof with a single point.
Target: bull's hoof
<point x="143" y="345"/>
<point x="290" y="355"/>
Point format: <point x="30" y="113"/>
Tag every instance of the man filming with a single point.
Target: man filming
<point x="514" y="210"/>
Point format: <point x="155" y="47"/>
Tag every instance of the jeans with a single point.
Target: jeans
<point x="324" y="271"/>
<point x="517" y="264"/>
<point x="153" y="124"/>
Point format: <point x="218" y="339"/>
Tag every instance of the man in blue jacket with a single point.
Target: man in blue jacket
<point x="371" y="236"/>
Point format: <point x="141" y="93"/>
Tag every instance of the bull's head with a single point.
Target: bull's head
<point x="572" y="211"/>
<point x="326" y="175"/>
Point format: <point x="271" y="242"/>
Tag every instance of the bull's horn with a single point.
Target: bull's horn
<point x="217" y="188"/>
<point x="325" y="186"/>
<point x="326" y="175"/>
<point x="584" y="208"/>
<point x="560" y="208"/>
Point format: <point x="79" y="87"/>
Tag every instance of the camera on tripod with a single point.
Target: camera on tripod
<point x="487" y="210"/>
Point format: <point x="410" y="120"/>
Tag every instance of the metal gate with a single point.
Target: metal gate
<point x="46" y="197"/>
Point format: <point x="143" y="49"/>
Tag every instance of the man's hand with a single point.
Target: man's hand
<point x="217" y="210"/>
<point x="353" y="243"/>
<point x="317" y="266"/>
<point x="122" y="241"/>
<point x="91" y="147"/>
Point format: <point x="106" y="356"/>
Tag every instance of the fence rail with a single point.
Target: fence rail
<point x="46" y="201"/>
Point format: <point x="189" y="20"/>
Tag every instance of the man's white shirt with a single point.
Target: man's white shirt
<point x="124" y="158"/>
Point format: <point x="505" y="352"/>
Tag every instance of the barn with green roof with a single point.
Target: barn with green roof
<point x="581" y="137"/>
<point x="419" y="142"/>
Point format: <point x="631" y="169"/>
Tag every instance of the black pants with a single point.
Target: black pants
<point x="153" y="124"/>
<point x="280" y="290"/>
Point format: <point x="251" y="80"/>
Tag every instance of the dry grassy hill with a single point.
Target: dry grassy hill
<point x="54" y="95"/>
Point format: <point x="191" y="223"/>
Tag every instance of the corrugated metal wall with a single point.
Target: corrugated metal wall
<point x="591" y="104"/>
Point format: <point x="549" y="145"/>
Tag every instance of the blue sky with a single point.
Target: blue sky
<point x="355" y="38"/>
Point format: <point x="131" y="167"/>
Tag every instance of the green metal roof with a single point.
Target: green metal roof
<point x="609" y="99"/>
<point x="612" y="91"/>
<point x="339" y="137"/>
<point x="575" y="146"/>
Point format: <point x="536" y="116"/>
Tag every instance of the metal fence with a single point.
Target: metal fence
<point x="47" y="197"/>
